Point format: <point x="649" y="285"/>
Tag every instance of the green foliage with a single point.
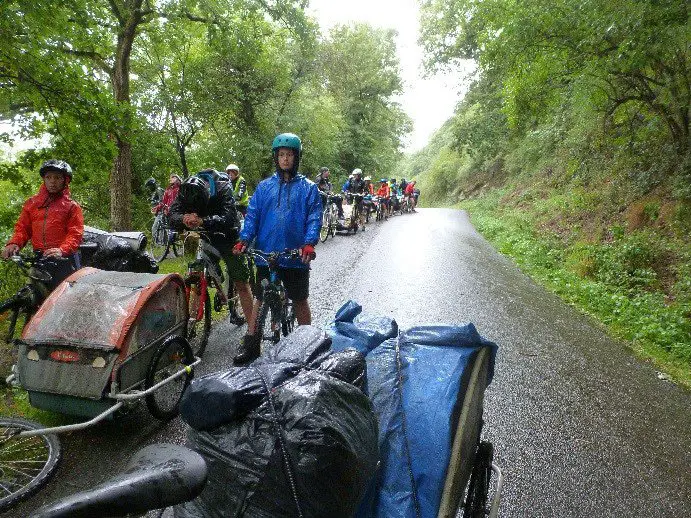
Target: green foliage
<point x="611" y="281"/>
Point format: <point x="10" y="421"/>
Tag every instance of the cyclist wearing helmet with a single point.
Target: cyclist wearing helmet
<point x="346" y="185"/>
<point x="52" y="221"/>
<point x="155" y="191"/>
<point x="169" y="195"/>
<point x="285" y="212"/>
<point x="326" y="187"/>
<point x="240" y="192"/>
<point x="357" y="184"/>
<point x="206" y="202"/>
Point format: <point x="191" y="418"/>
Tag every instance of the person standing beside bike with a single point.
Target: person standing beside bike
<point x="326" y="188"/>
<point x="240" y="191"/>
<point x="410" y="193"/>
<point x="284" y="213"/>
<point x="206" y="203"/>
<point x="384" y="194"/>
<point x="169" y="195"/>
<point x="52" y="221"/>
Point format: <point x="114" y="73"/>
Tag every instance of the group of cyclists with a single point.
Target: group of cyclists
<point x="389" y="193"/>
<point x="285" y="212"/>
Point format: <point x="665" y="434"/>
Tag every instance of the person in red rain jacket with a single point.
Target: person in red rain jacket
<point x="169" y="195"/>
<point x="52" y="221"/>
<point x="410" y="191"/>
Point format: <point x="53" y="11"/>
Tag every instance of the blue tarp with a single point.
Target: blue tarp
<point x="414" y="380"/>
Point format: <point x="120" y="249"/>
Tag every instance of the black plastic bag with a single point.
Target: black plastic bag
<point x="293" y="434"/>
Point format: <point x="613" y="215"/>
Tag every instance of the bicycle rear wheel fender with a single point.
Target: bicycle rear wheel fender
<point x="26" y="464"/>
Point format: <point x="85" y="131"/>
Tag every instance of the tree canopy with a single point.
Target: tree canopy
<point x="127" y="89"/>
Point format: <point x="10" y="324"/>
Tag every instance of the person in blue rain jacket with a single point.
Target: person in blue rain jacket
<point x="285" y="212"/>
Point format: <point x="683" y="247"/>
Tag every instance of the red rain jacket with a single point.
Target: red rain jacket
<point x="50" y="221"/>
<point x="168" y="198"/>
<point x="384" y="191"/>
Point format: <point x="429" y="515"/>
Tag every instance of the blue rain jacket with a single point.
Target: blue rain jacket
<point x="283" y="215"/>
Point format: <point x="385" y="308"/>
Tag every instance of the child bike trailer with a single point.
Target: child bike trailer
<point x="105" y="337"/>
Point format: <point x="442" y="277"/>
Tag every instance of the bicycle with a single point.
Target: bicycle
<point x="204" y="273"/>
<point x="381" y="209"/>
<point x="357" y="216"/>
<point x="275" y="302"/>
<point x="329" y="219"/>
<point x="163" y="238"/>
<point x="30" y="296"/>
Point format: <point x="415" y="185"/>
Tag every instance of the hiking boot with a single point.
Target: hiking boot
<point x="235" y="319"/>
<point x="248" y="350"/>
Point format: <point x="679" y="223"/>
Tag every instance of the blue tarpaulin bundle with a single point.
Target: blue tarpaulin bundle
<point x="415" y="381"/>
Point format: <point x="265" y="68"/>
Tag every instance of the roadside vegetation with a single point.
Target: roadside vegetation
<point x="571" y="154"/>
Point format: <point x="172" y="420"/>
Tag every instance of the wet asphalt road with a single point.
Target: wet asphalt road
<point x="580" y="427"/>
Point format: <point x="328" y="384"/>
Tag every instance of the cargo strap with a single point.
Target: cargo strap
<point x="284" y="453"/>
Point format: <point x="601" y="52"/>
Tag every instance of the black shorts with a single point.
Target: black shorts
<point x="295" y="280"/>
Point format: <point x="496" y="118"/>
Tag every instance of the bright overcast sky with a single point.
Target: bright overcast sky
<point x="429" y="102"/>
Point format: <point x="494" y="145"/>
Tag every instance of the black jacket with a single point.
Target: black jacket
<point x="219" y="215"/>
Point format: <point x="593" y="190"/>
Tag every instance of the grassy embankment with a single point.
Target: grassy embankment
<point x="622" y="256"/>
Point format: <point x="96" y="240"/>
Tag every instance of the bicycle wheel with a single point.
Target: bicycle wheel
<point x="288" y="317"/>
<point x="198" y="330"/>
<point x="326" y="225"/>
<point x="26" y="463"/>
<point x="476" y="499"/>
<point x="12" y="324"/>
<point x="266" y="325"/>
<point x="159" y="245"/>
<point x="170" y="357"/>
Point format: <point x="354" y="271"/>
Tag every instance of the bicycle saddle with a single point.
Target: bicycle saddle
<point x="157" y="476"/>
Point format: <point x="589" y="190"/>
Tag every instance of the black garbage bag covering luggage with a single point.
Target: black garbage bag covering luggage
<point x="115" y="253"/>
<point x="293" y="434"/>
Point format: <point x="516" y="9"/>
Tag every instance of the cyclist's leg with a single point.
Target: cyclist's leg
<point x="238" y="273"/>
<point x="250" y="347"/>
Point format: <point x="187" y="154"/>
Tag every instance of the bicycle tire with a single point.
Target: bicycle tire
<point x="38" y="458"/>
<point x="326" y="223"/>
<point x="265" y="310"/>
<point x="476" y="499"/>
<point x="288" y="318"/>
<point x="172" y="355"/>
<point x="14" y="315"/>
<point x="159" y="245"/>
<point x="197" y="331"/>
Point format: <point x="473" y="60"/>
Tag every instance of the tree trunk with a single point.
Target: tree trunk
<point x="121" y="174"/>
<point x="121" y="188"/>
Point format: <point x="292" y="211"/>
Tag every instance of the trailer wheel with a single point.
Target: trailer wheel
<point x="476" y="499"/>
<point x="173" y="355"/>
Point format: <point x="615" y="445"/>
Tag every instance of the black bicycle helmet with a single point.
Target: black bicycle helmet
<point x="195" y="192"/>
<point x="150" y="183"/>
<point x="59" y="166"/>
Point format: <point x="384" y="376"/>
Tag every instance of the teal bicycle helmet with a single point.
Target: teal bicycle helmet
<point x="290" y="141"/>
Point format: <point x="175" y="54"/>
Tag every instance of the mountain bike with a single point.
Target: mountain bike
<point x="203" y="274"/>
<point x="276" y="313"/>
<point x="329" y="218"/>
<point x="357" y="216"/>
<point x="30" y="296"/>
<point x="163" y="238"/>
